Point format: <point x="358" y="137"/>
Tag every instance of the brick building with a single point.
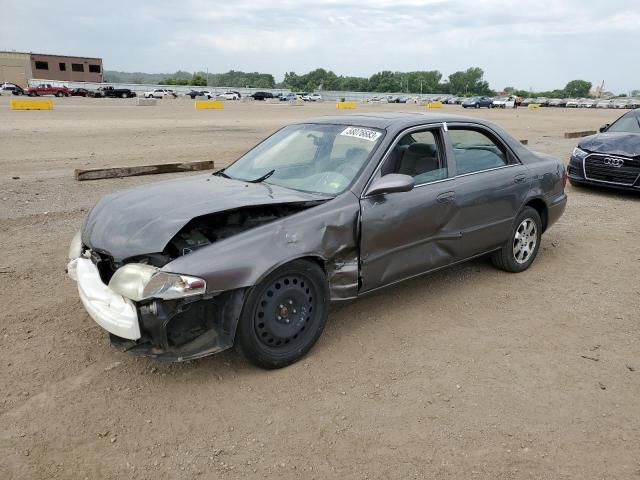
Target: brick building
<point x="20" y="67"/>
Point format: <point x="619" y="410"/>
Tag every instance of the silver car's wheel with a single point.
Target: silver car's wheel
<point x="525" y="240"/>
<point x="520" y="250"/>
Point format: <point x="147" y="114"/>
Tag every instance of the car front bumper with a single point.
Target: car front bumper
<point x="113" y="312"/>
<point x="171" y="330"/>
<point x="576" y="174"/>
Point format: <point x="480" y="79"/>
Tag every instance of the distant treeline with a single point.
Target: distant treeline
<point x="230" y="79"/>
<point x="465" y="83"/>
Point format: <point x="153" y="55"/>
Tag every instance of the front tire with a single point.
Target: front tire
<point x="524" y="242"/>
<point x="284" y="315"/>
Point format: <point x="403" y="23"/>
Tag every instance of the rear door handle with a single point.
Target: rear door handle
<point x="519" y="178"/>
<point x="446" y="197"/>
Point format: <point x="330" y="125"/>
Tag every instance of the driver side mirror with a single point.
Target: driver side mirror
<point x="391" y="183"/>
<point x="604" y="127"/>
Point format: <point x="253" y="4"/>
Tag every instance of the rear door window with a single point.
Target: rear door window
<point x="475" y="151"/>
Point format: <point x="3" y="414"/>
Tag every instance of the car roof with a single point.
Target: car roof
<point x="384" y="120"/>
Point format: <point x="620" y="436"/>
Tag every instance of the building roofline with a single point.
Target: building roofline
<point x="51" y="55"/>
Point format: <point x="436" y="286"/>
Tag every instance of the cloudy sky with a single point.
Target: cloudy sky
<point x="539" y="44"/>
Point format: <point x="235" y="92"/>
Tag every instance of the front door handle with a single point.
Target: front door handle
<point x="446" y="197"/>
<point x="520" y="178"/>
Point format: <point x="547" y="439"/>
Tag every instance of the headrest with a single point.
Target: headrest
<point x="421" y="150"/>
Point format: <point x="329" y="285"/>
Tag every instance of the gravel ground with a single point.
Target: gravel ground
<point x="468" y="373"/>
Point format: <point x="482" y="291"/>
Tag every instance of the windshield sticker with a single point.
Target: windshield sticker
<point x="363" y="133"/>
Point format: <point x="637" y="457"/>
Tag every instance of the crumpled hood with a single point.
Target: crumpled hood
<point x="614" y="143"/>
<point x="143" y="220"/>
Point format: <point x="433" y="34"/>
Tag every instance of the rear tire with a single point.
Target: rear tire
<point x="284" y="315"/>
<point x="519" y="252"/>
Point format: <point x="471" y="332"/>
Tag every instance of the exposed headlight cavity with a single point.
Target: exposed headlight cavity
<point x="139" y="282"/>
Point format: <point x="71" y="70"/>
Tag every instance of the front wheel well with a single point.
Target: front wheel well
<point x="541" y="207"/>
<point x="315" y="259"/>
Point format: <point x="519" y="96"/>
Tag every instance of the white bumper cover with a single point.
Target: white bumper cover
<point x="111" y="311"/>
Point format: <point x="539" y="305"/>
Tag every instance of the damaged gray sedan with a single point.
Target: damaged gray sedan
<point x="326" y="209"/>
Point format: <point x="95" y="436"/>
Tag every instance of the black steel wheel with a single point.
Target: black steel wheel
<point x="284" y="315"/>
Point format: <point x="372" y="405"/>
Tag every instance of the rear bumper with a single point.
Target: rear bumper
<point x="556" y="209"/>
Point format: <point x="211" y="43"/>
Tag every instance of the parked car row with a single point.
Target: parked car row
<point x="44" y="89"/>
<point x="584" y="102"/>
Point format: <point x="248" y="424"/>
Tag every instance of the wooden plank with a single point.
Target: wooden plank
<point x="119" y="172"/>
<point x="586" y="133"/>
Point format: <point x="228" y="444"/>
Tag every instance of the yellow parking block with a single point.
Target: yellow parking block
<point x="209" y="104"/>
<point x="434" y="105"/>
<point x="345" y="105"/>
<point x="533" y="105"/>
<point x="31" y="104"/>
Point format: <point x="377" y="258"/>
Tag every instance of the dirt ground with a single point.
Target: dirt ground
<point x="468" y="373"/>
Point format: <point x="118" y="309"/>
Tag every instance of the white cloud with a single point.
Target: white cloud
<point x="538" y="43"/>
<point x="285" y="41"/>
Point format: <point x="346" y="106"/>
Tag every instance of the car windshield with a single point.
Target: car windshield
<point x="626" y="124"/>
<point x="314" y="158"/>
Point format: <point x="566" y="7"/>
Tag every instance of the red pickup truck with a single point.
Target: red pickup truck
<point x="46" y="89"/>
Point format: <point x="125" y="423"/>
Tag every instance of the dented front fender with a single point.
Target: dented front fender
<point x="327" y="232"/>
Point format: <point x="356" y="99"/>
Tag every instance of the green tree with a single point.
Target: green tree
<point x="198" y="80"/>
<point x="354" y="84"/>
<point x="385" y="81"/>
<point x="423" y="81"/>
<point x="469" y="82"/>
<point x="577" y="88"/>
